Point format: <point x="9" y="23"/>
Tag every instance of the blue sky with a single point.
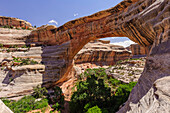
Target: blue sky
<point x="41" y="12"/>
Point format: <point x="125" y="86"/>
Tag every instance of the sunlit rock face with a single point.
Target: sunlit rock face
<point x="14" y="23"/>
<point x="145" y="22"/>
<point x="137" y="50"/>
<point x="102" y="53"/>
<point x="10" y="37"/>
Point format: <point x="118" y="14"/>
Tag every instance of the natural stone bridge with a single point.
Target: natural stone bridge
<point x="145" y="22"/>
<point x="142" y="21"/>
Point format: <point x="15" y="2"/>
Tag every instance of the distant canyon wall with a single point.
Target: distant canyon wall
<point x="100" y="52"/>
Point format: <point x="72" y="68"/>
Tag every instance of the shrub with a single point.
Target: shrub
<point x="56" y="97"/>
<point x="25" y="104"/>
<point x="96" y="91"/>
<point x="8" y="50"/>
<point x="94" y="109"/>
<point x="39" y="92"/>
<point x="41" y="104"/>
<point x="23" y="61"/>
<point x="89" y="93"/>
<point x="1" y="45"/>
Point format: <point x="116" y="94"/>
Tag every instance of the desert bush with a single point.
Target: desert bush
<point x="25" y="104"/>
<point x="95" y="90"/>
<point x="39" y="92"/>
<point x="24" y="61"/>
<point x="94" y="109"/>
<point x="56" y="98"/>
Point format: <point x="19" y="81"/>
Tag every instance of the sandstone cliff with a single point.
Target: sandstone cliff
<point x="137" y="49"/>
<point x="11" y="37"/>
<point x="14" y="22"/>
<point x="101" y="53"/>
<point x="18" y="80"/>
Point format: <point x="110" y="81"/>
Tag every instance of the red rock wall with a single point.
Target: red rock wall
<point x="14" y="22"/>
<point x="138" y="50"/>
<point x="100" y="52"/>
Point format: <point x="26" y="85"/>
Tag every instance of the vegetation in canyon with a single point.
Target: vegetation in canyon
<point x="40" y="99"/>
<point x="96" y="92"/>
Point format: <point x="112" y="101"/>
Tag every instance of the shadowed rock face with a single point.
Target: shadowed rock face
<point x="145" y="22"/>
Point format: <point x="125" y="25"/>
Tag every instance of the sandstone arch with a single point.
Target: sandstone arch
<point x="139" y="20"/>
<point x="146" y="22"/>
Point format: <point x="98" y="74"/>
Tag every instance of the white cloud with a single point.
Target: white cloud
<point x="124" y="43"/>
<point x="53" y="21"/>
<point x="76" y="14"/>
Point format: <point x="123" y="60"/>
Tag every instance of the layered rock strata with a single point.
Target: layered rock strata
<point x="101" y="53"/>
<point x="18" y="80"/>
<point x="10" y="37"/>
<point x="145" y="22"/>
<point x="138" y="50"/>
<point x="14" y="22"/>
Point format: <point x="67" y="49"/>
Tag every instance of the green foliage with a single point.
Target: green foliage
<point x="130" y="74"/>
<point x="25" y="104"/>
<point x="94" y="109"/>
<point x="56" y="106"/>
<point x="6" y="26"/>
<point x="24" y="61"/>
<point x="24" y="46"/>
<point x="8" y="50"/>
<point x="1" y="45"/>
<point x="39" y="92"/>
<point x="41" y="104"/>
<point x="89" y="93"/>
<point x="32" y="62"/>
<point x="114" y="82"/>
<point x="29" y="103"/>
<point x="95" y="90"/>
<point x="23" y="28"/>
<point x="56" y="97"/>
<point x="98" y="72"/>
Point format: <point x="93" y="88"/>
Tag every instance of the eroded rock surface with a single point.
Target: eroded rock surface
<point x="138" y="50"/>
<point x="14" y="22"/>
<point x="98" y="53"/>
<point x="10" y="37"/>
